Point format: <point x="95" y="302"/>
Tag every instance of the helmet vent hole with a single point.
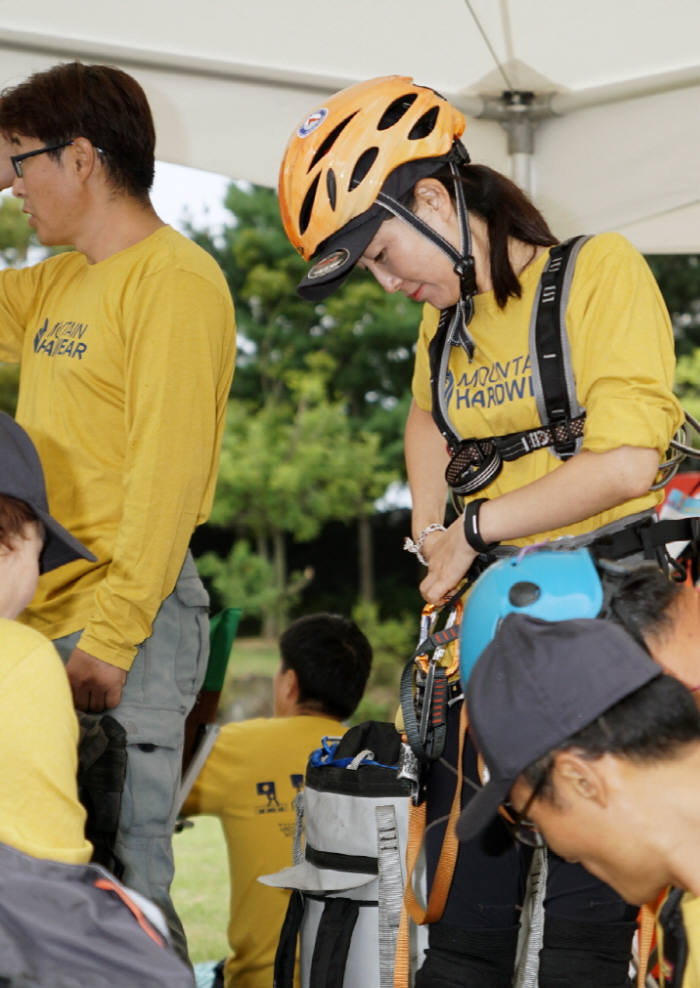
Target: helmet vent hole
<point x="331" y="187"/>
<point x="425" y="125"/>
<point x="307" y="206"/>
<point x="396" y="110"/>
<point x="325" y="147"/>
<point x="362" y="166"/>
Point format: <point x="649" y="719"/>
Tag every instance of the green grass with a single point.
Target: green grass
<point x="200" y="891"/>
<point x="253" y="656"/>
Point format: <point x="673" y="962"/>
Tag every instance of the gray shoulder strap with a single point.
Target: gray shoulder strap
<point x="553" y="379"/>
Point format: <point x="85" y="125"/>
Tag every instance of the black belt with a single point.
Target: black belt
<point x="647" y="537"/>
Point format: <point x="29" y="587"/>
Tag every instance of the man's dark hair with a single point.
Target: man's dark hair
<point x="332" y="659"/>
<point x="649" y="725"/>
<point x="641" y="602"/>
<point x="99" y="102"/>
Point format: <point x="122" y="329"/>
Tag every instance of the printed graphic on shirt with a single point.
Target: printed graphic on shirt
<point x="297" y="782"/>
<point x="272" y="804"/>
<point x="63" y="339"/>
<point x="488" y="386"/>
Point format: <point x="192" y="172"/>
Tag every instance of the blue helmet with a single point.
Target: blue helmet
<point x="551" y="584"/>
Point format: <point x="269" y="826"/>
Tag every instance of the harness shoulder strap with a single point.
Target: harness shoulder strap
<point x="439" y="350"/>
<point x="550" y="353"/>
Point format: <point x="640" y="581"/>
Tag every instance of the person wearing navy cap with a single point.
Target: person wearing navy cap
<point x="22" y="480"/>
<point x="40" y="813"/>
<point x="590" y="747"/>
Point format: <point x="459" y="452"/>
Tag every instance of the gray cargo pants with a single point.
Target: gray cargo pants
<point x="160" y="689"/>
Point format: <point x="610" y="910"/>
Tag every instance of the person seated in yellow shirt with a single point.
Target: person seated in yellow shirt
<point x="255" y="770"/>
<point x="40" y="813"/>
<point x="593" y="749"/>
<point x="51" y="895"/>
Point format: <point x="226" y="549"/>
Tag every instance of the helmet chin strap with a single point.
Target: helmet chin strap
<point x="462" y="260"/>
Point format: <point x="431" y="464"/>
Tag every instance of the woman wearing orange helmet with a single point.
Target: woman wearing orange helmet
<point x="378" y="177"/>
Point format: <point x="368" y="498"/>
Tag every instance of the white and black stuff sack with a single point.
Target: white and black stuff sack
<point x="76" y="926"/>
<point x="348" y="880"/>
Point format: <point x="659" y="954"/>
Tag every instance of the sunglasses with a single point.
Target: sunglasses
<point x="517" y="822"/>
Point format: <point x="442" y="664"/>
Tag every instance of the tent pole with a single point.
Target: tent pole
<point x="518" y="112"/>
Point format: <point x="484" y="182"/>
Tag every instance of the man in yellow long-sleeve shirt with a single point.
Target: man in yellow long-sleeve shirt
<point x="127" y="347"/>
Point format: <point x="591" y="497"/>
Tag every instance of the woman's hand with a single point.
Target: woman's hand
<point x="449" y="557"/>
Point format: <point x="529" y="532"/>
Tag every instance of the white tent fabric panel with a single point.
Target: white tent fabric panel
<point x="624" y="167"/>
<point x="229" y="79"/>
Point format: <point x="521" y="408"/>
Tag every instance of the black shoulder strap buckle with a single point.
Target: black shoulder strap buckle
<point x="552" y="374"/>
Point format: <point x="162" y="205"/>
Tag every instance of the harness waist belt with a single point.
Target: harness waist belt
<point x="646" y="536"/>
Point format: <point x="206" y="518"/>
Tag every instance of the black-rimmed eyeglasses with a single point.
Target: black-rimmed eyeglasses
<point x="17" y="159"/>
<point x="517" y="822"/>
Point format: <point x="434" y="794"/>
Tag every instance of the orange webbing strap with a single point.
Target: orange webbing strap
<point x="647" y="931"/>
<point x="442" y="879"/>
<point x="148" y="929"/>
<point x="447" y="638"/>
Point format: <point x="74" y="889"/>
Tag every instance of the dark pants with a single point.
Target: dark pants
<point x="588" y="927"/>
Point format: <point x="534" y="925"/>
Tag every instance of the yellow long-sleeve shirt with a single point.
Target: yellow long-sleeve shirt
<point x="622" y="359"/>
<point x="126" y="367"/>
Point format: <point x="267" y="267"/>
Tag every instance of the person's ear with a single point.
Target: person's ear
<point x="291" y="686"/>
<point x="84" y="156"/>
<point x="578" y="777"/>
<point x="431" y="195"/>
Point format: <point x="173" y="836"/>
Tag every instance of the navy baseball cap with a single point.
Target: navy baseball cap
<point x="22" y="477"/>
<point x="535" y="685"/>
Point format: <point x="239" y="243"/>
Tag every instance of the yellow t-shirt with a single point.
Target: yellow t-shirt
<point x="670" y="975"/>
<point x="621" y="354"/>
<point x="40" y="813"/>
<point x="250" y="780"/>
<point x="126" y="367"/>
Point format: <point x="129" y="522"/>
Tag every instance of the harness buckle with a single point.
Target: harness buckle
<point x="537" y="438"/>
<point x="565" y="432"/>
<point x="514" y="446"/>
<point x="466" y="272"/>
<point x="410" y="769"/>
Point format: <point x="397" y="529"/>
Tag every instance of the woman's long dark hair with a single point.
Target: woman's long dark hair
<point x="507" y="212"/>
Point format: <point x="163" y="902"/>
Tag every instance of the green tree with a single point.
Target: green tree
<point x="289" y="467"/>
<point x="369" y="334"/>
<point x="687" y="380"/>
<point x="678" y="276"/>
<point x="366" y="335"/>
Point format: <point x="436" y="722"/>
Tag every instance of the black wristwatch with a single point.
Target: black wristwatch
<point x="471" y="527"/>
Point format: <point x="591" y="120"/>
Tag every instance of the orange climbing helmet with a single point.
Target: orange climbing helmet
<point x="351" y="160"/>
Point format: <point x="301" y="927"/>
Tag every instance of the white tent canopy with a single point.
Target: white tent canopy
<point x="609" y="138"/>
